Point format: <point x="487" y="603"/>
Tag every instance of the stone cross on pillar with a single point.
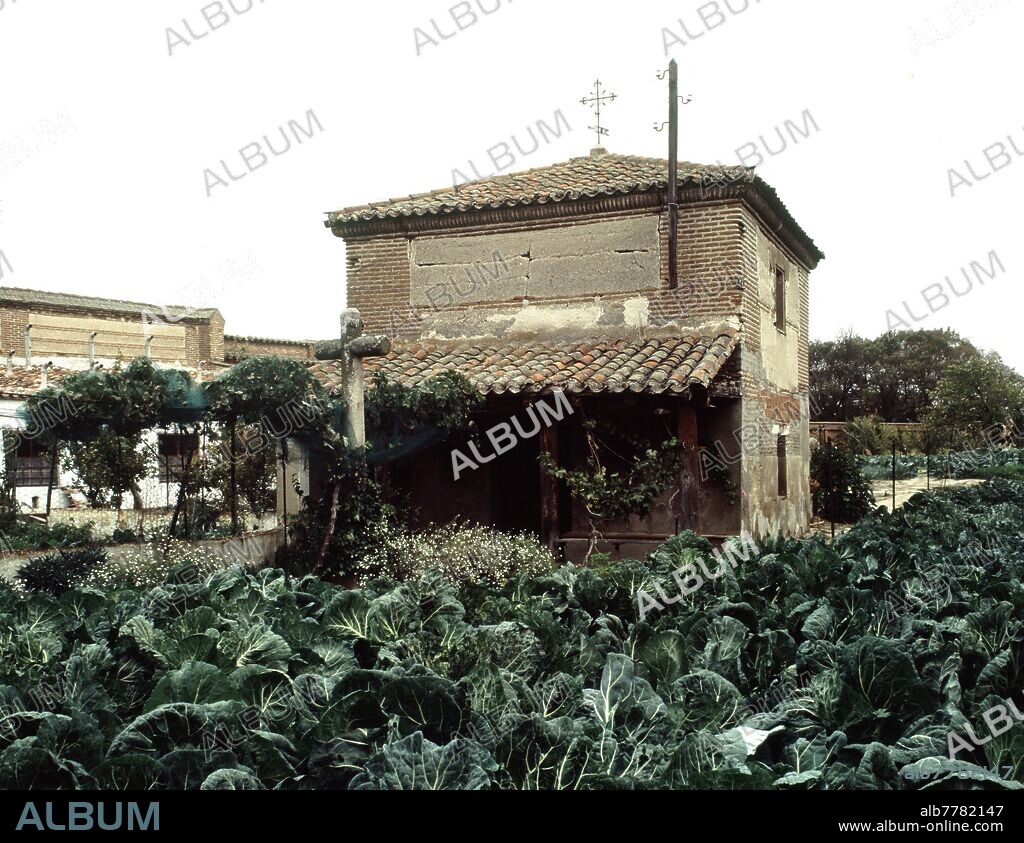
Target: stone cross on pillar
<point x="350" y="350"/>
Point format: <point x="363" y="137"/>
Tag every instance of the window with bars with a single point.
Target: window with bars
<point x="780" y="298"/>
<point x="32" y="462"/>
<point x="177" y="451"/>
<point x="783" y="466"/>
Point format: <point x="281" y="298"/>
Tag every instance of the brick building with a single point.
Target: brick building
<point x="37" y="325"/>
<point x="238" y="348"/>
<point x="44" y="336"/>
<point x="557" y="279"/>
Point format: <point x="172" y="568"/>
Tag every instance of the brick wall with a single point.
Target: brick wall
<point x="238" y="348"/>
<point x="774" y="387"/>
<point x="203" y="338"/>
<point x="213" y="341"/>
<point x="725" y="255"/>
<point x="378" y="283"/>
<point x="712" y="266"/>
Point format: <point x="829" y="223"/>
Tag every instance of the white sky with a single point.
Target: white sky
<point x="112" y="201"/>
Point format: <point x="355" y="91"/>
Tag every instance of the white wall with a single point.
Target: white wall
<point x="155" y="494"/>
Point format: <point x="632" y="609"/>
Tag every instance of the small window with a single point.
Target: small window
<point x="783" y="467"/>
<point x="32" y="463"/>
<point x="177" y="450"/>
<point x="780" y="299"/>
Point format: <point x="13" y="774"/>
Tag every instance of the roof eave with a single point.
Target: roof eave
<point x="757" y="193"/>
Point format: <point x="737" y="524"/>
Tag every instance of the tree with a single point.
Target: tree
<point x="109" y="465"/>
<point x="108" y="408"/>
<point x="841" y="494"/>
<point x="277" y="398"/>
<point x="891" y="377"/>
<point x="905" y="367"/>
<point x="246" y="467"/>
<point x="865" y="435"/>
<point x="838" y="374"/>
<point x="973" y="398"/>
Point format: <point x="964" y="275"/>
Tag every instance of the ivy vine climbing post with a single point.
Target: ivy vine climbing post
<point x="350" y="351"/>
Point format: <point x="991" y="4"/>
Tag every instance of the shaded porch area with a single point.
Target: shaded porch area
<point x="512" y="492"/>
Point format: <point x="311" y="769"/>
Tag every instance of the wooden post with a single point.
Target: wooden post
<point x="893" y="477"/>
<point x="549" y="489"/>
<point x="233" y="432"/>
<point x="49" y="479"/>
<point x="284" y="487"/>
<point x="689" y="472"/>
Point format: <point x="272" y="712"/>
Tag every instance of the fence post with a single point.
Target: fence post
<point x="893" y="476"/>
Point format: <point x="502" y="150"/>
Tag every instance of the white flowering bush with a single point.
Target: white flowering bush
<point x="152" y="564"/>
<point x="462" y="553"/>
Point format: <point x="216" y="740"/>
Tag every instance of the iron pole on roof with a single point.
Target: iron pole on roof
<point x="673" y="174"/>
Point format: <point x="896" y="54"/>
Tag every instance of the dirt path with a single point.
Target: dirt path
<point x="906" y="489"/>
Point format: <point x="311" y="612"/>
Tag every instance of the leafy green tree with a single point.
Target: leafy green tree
<point x="110" y="466"/>
<point x="838" y="377"/>
<point x="88" y="406"/>
<point x="253" y="461"/>
<point x="973" y="398"/>
<point x="276" y="398"/>
<point x="865" y="435"/>
<point x="840" y="491"/>
<point x="891" y="377"/>
<point x="906" y="366"/>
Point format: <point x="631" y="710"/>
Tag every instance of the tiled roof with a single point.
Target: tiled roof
<point x="236" y="338"/>
<point x="672" y="364"/>
<point x="599" y="174"/>
<point x="602" y="174"/>
<point x="25" y="380"/>
<point x="22" y="296"/>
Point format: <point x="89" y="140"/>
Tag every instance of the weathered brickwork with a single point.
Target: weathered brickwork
<point x="712" y="269"/>
<point x="775" y="389"/>
<point x="186" y="336"/>
<point x="238" y="348"/>
<point x="727" y="257"/>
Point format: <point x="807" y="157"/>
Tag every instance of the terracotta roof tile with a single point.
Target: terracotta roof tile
<point x="27" y="298"/>
<point x="603" y="174"/>
<point x="672" y="364"/>
<point x="599" y="174"/>
<point x="23" y="381"/>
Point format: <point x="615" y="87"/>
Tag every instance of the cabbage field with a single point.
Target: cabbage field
<point x="803" y="666"/>
<point x="984" y="464"/>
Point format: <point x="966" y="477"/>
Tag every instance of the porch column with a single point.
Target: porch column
<point x="689" y="470"/>
<point x="549" y="489"/>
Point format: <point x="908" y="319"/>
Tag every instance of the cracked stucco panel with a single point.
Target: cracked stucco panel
<point x="609" y="256"/>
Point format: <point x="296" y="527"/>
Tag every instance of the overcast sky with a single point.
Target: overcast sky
<point x="113" y="111"/>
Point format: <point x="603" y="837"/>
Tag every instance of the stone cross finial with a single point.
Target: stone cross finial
<point x="350" y="350"/>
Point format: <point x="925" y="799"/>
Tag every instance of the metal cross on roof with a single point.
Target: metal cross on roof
<point x="596" y="101"/>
